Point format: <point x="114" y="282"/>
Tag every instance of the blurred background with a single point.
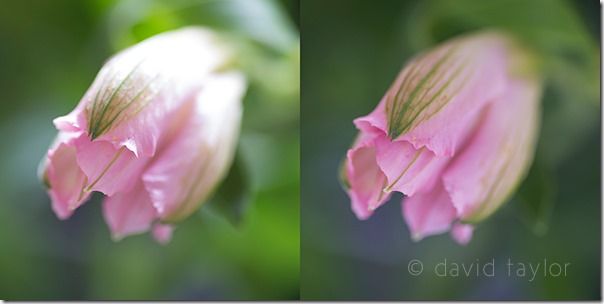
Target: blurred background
<point x="352" y="51"/>
<point x="50" y="51"/>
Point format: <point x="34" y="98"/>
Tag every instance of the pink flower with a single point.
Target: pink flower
<point x="455" y="133"/>
<point x="155" y="133"/>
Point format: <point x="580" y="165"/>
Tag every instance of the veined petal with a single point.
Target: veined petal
<point x="108" y="169"/>
<point x="498" y="156"/>
<point x="197" y="158"/>
<point x="428" y="213"/>
<point x="408" y="170"/>
<point x="128" y="213"/>
<point x="138" y="88"/>
<point x="436" y="98"/>
<point x="63" y="176"/>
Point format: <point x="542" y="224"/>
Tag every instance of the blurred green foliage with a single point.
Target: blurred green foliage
<point x="50" y="52"/>
<point x="352" y="51"/>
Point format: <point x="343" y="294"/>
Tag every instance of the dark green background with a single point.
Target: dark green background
<point x="352" y="51"/>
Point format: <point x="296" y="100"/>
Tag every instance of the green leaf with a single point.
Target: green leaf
<point x="231" y="200"/>
<point x="536" y="198"/>
<point x="263" y="21"/>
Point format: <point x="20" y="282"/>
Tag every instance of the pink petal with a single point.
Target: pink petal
<point x="75" y="121"/>
<point x="408" y="169"/>
<point x="498" y="155"/>
<point x="365" y="178"/>
<point x="428" y="213"/>
<point x="129" y="213"/>
<point x="197" y="158"/>
<point x="162" y="233"/>
<point x="462" y="233"/>
<point x="375" y="123"/>
<point x="64" y="177"/>
<point x="109" y="169"/>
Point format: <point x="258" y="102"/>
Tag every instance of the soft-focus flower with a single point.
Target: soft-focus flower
<point x="155" y="133"/>
<point x="455" y="134"/>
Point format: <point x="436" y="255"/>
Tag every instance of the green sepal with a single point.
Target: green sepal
<point x="536" y="198"/>
<point x="342" y="178"/>
<point x="232" y="198"/>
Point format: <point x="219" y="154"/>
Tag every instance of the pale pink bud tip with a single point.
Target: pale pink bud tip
<point x="162" y="233"/>
<point x="462" y="233"/>
<point x="416" y="237"/>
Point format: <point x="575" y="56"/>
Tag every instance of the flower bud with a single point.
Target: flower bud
<point x="455" y="133"/>
<point x="155" y="133"/>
